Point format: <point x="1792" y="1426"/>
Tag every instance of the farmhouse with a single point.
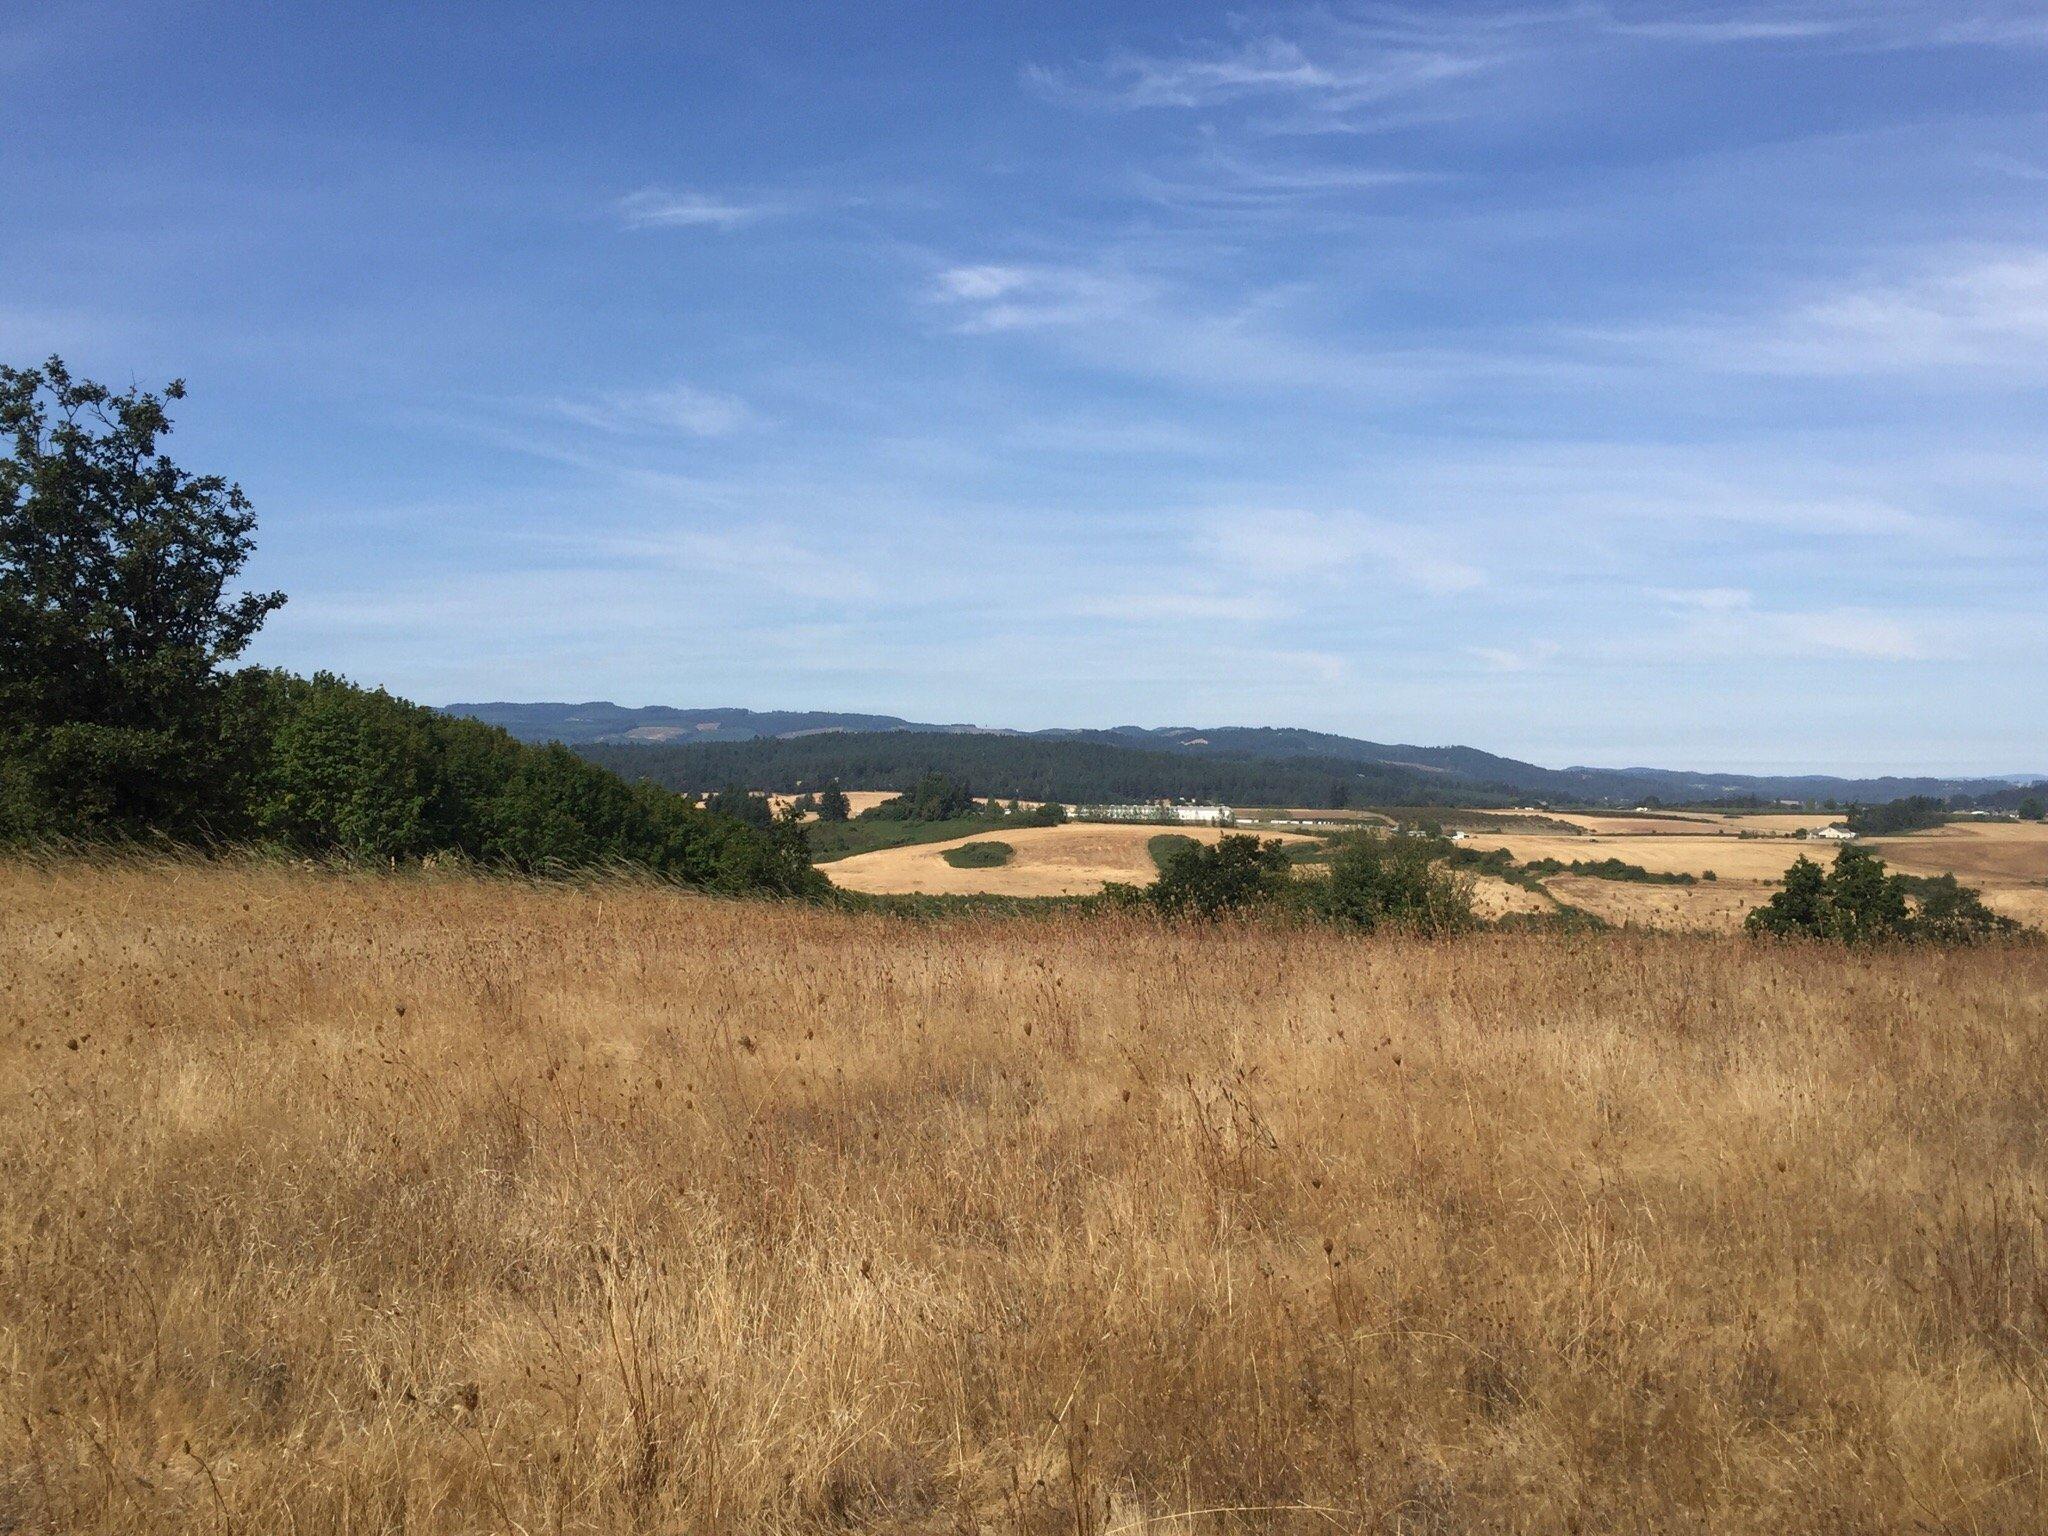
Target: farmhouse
<point x="1834" y="834"/>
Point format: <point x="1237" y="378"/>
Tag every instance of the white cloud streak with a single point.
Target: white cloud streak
<point x="679" y="408"/>
<point x="660" y="208"/>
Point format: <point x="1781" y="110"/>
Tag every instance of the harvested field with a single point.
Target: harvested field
<point x="1640" y="826"/>
<point x="1741" y="858"/>
<point x="1075" y="859"/>
<point x="1778" y="823"/>
<point x="340" y="1205"/>
<point x="2008" y="861"/>
<point x="1716" y="907"/>
<point x="1991" y="852"/>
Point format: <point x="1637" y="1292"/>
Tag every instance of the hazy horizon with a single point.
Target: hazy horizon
<point x="1592" y="383"/>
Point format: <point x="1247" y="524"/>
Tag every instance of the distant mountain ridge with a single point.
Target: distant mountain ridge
<point x="578" y="725"/>
<point x="1425" y="774"/>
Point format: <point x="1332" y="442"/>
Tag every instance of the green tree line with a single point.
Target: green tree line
<point x="122" y="717"/>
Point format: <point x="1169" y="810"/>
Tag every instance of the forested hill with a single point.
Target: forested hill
<point x="1275" y="763"/>
<point x="580" y="724"/>
<point x="1032" y="768"/>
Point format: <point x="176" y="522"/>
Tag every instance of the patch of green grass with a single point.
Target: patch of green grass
<point x="989" y="855"/>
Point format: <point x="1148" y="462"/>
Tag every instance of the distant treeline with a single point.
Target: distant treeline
<point x="1913" y="814"/>
<point x="1027" y="767"/>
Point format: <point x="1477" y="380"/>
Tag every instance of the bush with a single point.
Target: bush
<point x="984" y="855"/>
<point x="1233" y="874"/>
<point x="1376" y="881"/>
<point x="1857" y="902"/>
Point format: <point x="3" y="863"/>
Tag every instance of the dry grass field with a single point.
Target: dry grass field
<point x="2008" y="861"/>
<point x="1496" y="898"/>
<point x="1073" y="859"/>
<point x="1664" y="853"/>
<point x="346" y="1204"/>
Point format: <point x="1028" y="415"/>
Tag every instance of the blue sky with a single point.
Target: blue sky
<point x="1593" y="382"/>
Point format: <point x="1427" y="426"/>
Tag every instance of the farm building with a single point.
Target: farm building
<point x="1835" y="834"/>
<point x="1160" y="811"/>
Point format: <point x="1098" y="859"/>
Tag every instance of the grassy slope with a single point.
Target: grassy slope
<point x="606" y="1209"/>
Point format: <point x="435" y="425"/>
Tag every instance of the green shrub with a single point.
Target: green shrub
<point x="984" y="855"/>
<point x="1391" y="881"/>
<point x="1233" y="874"/>
<point x="1857" y="902"/>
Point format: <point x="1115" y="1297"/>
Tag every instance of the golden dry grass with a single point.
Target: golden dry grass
<point x="1493" y="897"/>
<point x="1073" y="859"/>
<point x="1717" y="907"/>
<point x="1665" y="853"/>
<point x="2008" y="861"/>
<point x="340" y="1204"/>
<point x="1998" y="852"/>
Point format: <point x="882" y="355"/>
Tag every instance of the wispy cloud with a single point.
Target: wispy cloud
<point x="767" y="555"/>
<point x="1237" y="184"/>
<point x="1733" y="29"/>
<point x="1964" y="310"/>
<point x="1336" y="65"/>
<point x="1338" y="76"/>
<point x="661" y="208"/>
<point x="1179" y="607"/>
<point x="1287" y="545"/>
<point x="993" y="297"/>
<point x="1746" y="630"/>
<point x="682" y="408"/>
<point x="1526" y="657"/>
<point x="1705" y="599"/>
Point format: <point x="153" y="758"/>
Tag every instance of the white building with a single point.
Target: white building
<point x="1834" y="834"/>
<point x="1159" y="811"/>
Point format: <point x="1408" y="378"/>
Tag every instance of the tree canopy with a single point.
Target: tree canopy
<point x="1858" y="902"/>
<point x="119" y="716"/>
<point x="118" y="609"/>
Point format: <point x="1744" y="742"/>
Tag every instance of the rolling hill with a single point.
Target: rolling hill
<point x="791" y="749"/>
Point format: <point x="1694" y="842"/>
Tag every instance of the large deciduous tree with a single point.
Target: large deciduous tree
<point x="118" y="611"/>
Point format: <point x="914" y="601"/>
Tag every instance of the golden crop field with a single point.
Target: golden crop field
<point x="1072" y="859"/>
<point x="2008" y="861"/>
<point x="357" y="1204"/>
<point x="1665" y="853"/>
